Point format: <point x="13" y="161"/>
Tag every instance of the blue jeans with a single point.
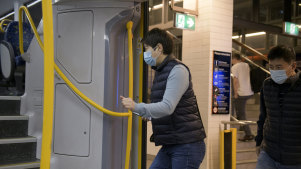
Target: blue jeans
<point x="266" y="162"/>
<point x="181" y="156"/>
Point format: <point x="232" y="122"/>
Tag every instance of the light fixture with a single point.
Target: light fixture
<point x="161" y="5"/>
<point x="255" y="34"/>
<point x="33" y="3"/>
<point x="158" y="6"/>
<point x="236" y="37"/>
<point x="249" y="35"/>
<point x="6" y="16"/>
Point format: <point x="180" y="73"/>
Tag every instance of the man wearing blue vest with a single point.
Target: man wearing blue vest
<point x="278" y="138"/>
<point x="176" y="120"/>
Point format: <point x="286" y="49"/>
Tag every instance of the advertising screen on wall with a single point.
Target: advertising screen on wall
<point x="221" y="82"/>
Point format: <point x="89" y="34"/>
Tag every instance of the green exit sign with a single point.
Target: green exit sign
<point x="184" y="21"/>
<point x="291" y="28"/>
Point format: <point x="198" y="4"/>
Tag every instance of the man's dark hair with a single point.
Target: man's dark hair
<point x="282" y="51"/>
<point x="156" y="36"/>
<point x="236" y="56"/>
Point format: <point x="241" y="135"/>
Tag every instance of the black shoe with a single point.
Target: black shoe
<point x="247" y="138"/>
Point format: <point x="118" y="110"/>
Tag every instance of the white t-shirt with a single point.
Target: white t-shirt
<point x="242" y="72"/>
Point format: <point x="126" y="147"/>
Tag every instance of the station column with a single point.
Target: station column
<point x="213" y="32"/>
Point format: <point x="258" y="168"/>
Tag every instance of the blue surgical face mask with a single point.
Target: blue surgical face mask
<point x="278" y="76"/>
<point x="149" y="59"/>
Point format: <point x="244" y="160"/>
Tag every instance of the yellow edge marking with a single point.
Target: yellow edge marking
<point x="234" y="134"/>
<point x="221" y="150"/>
<point x="17" y="164"/>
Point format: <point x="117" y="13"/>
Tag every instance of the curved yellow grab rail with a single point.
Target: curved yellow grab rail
<point x="48" y="82"/>
<point x="79" y="93"/>
<point x="2" y="23"/>
<point x="23" y="8"/>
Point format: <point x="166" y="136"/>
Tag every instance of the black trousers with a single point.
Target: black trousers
<point x="240" y="109"/>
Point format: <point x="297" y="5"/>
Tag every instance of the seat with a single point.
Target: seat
<point x="7" y="60"/>
<point x="12" y="64"/>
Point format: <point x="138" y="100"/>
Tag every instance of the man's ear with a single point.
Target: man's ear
<point x="160" y="47"/>
<point x="294" y="65"/>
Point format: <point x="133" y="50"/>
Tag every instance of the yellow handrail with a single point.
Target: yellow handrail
<point x="48" y="72"/>
<point x="84" y="97"/>
<point x="2" y="23"/>
<point x="129" y="26"/>
<point x="23" y="8"/>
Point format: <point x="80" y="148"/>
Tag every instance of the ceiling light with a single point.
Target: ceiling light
<point x="158" y="6"/>
<point x="249" y="35"/>
<point x="255" y="34"/>
<point x="6" y="16"/>
<point x="235" y="37"/>
<point x="33" y="3"/>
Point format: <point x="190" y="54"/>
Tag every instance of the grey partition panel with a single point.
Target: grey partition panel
<point x="71" y="123"/>
<point x="109" y="80"/>
<point x="116" y="84"/>
<point x="74" y="44"/>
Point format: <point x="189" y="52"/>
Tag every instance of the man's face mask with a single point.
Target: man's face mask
<point x="149" y="59"/>
<point x="278" y="76"/>
<point x="279" y="70"/>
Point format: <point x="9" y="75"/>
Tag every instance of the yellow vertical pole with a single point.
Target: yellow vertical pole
<point x="140" y="90"/>
<point x="129" y="26"/>
<point x="48" y="84"/>
<point x="234" y="134"/>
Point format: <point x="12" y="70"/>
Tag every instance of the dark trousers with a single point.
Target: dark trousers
<point x="266" y="162"/>
<point x="181" y="156"/>
<point x="240" y="109"/>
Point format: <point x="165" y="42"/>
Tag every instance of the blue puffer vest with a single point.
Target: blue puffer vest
<point x="282" y="127"/>
<point x="184" y="125"/>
